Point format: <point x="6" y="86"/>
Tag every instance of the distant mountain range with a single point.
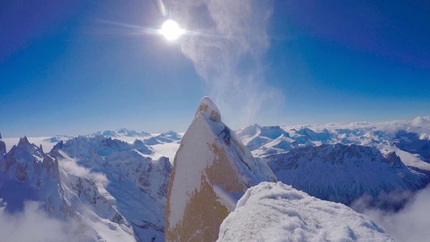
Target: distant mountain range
<point x="342" y="163"/>
<point x="120" y="177"/>
<point x="408" y="136"/>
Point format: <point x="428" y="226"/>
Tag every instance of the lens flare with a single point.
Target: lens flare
<point x="162" y="7"/>
<point x="170" y="30"/>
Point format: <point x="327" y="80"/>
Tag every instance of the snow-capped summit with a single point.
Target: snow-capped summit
<point x="168" y="137"/>
<point x="207" y="176"/>
<point x="267" y="139"/>
<point x="249" y="131"/>
<point x="309" y="134"/>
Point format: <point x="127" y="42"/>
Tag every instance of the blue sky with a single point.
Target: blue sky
<point x="76" y="67"/>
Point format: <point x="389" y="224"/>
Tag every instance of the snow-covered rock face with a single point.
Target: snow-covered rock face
<point x="85" y="147"/>
<point x="207" y="173"/>
<point x="277" y="212"/>
<point x="27" y="167"/>
<point x="136" y="184"/>
<point x="29" y="174"/>
<point x="108" y="190"/>
<point x="343" y="173"/>
<point x="27" y="162"/>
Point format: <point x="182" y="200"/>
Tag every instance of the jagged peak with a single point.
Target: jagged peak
<point x="394" y="160"/>
<point x="58" y="146"/>
<point x="23" y="141"/>
<point x="208" y="107"/>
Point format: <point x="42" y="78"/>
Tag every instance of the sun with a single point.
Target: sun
<point x="170" y="30"/>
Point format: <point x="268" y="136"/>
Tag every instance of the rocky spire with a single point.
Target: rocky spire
<point x="23" y="141"/>
<point x="206" y="177"/>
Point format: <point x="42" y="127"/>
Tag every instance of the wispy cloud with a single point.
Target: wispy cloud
<point x="226" y="43"/>
<point x="32" y="224"/>
<point x="411" y="223"/>
<point x="70" y="166"/>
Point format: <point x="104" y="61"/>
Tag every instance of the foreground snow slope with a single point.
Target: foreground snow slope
<point x="277" y="212"/>
<point x="207" y="174"/>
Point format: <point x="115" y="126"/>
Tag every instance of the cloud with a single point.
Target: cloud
<point x="70" y="166"/>
<point x="411" y="223"/>
<point x="227" y="42"/>
<point x="32" y="224"/>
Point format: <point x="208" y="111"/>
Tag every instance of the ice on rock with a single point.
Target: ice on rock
<point x="207" y="175"/>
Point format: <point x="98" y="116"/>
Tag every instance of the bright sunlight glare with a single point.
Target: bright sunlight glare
<point x="170" y="30"/>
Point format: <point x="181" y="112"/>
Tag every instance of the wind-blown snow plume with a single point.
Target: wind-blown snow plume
<point x="226" y="42"/>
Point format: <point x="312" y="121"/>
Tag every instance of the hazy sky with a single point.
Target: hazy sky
<point x="76" y="67"/>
